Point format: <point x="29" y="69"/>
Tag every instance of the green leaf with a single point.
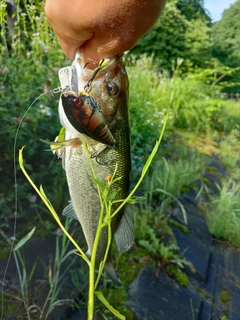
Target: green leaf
<point x="112" y="195"/>
<point x="106" y="303"/>
<point x="24" y="239"/>
<point x="99" y="183"/>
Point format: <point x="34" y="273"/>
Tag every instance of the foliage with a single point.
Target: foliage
<point x="164" y="255"/>
<point x="193" y="9"/>
<point x="226" y="42"/>
<point x="229" y="151"/>
<point x="177" y="175"/>
<point x="196" y="106"/>
<point x="223" y="317"/>
<point x="40" y="122"/>
<point x="162" y="41"/>
<point x="197" y="52"/>
<point x="149" y="101"/>
<point x="24" y="28"/>
<point x="30" y="59"/>
<point x="156" y="237"/>
<point x="175" y="36"/>
<point x="224" y="213"/>
<point x="56" y="276"/>
<point x="224" y="297"/>
<point x="226" y="36"/>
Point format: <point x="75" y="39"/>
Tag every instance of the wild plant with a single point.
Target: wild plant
<point x="162" y="254"/>
<point x="106" y="197"/>
<point x="165" y="253"/>
<point x="56" y="275"/>
<point x="223" y="216"/>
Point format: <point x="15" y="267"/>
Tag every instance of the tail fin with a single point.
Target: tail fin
<point x="109" y="268"/>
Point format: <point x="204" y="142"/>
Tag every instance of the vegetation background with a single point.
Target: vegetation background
<point x="186" y="59"/>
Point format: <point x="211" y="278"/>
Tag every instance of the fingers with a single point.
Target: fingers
<point x="70" y="47"/>
<point x="101" y="28"/>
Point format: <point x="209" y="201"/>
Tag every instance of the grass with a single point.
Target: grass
<point x="223" y="217"/>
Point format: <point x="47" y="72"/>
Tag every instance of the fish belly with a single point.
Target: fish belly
<point x="84" y="194"/>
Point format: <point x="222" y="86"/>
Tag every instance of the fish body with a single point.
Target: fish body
<point x="110" y="92"/>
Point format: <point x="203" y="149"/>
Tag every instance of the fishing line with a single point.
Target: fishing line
<point x="13" y="238"/>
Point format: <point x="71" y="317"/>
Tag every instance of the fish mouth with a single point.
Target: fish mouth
<point x="79" y="77"/>
<point x="86" y="70"/>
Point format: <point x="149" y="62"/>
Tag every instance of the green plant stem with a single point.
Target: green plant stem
<point x="92" y="268"/>
<point x="22" y="284"/>
<point x="42" y="195"/>
<point x="103" y="222"/>
<point x="91" y="288"/>
<point x="104" y="205"/>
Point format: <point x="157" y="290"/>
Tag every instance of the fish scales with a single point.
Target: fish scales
<point x="83" y="192"/>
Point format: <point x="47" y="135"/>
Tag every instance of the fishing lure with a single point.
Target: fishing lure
<point x="83" y="113"/>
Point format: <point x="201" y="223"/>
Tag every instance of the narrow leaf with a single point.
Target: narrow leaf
<point x="106" y="303"/>
<point x="24" y="239"/>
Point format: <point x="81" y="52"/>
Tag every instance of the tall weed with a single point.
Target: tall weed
<point x="196" y="106"/>
<point x="169" y="178"/>
<point x="195" y="102"/>
<point x="224" y="215"/>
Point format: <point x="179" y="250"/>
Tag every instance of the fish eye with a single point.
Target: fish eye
<point x="77" y="101"/>
<point x="112" y="88"/>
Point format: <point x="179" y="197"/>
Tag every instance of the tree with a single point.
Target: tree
<point x="194" y="9"/>
<point x="226" y="36"/>
<point x="175" y="36"/>
<point x="198" y="43"/>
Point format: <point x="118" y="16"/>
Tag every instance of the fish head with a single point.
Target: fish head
<point x="95" y="114"/>
<point x="110" y="88"/>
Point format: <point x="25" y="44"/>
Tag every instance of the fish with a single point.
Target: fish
<point x="108" y="141"/>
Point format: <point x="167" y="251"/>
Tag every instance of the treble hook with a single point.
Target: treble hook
<point x="88" y="86"/>
<point x="97" y="155"/>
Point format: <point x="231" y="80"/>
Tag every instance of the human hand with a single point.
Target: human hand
<point x="101" y="28"/>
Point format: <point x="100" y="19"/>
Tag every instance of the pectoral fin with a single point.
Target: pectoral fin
<point x="124" y="236"/>
<point x="70" y="212"/>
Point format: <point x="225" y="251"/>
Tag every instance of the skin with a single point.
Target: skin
<point x="101" y="28"/>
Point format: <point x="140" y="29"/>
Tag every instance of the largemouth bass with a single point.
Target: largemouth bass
<point x="103" y="123"/>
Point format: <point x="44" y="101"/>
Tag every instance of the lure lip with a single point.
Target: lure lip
<point x="68" y="79"/>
